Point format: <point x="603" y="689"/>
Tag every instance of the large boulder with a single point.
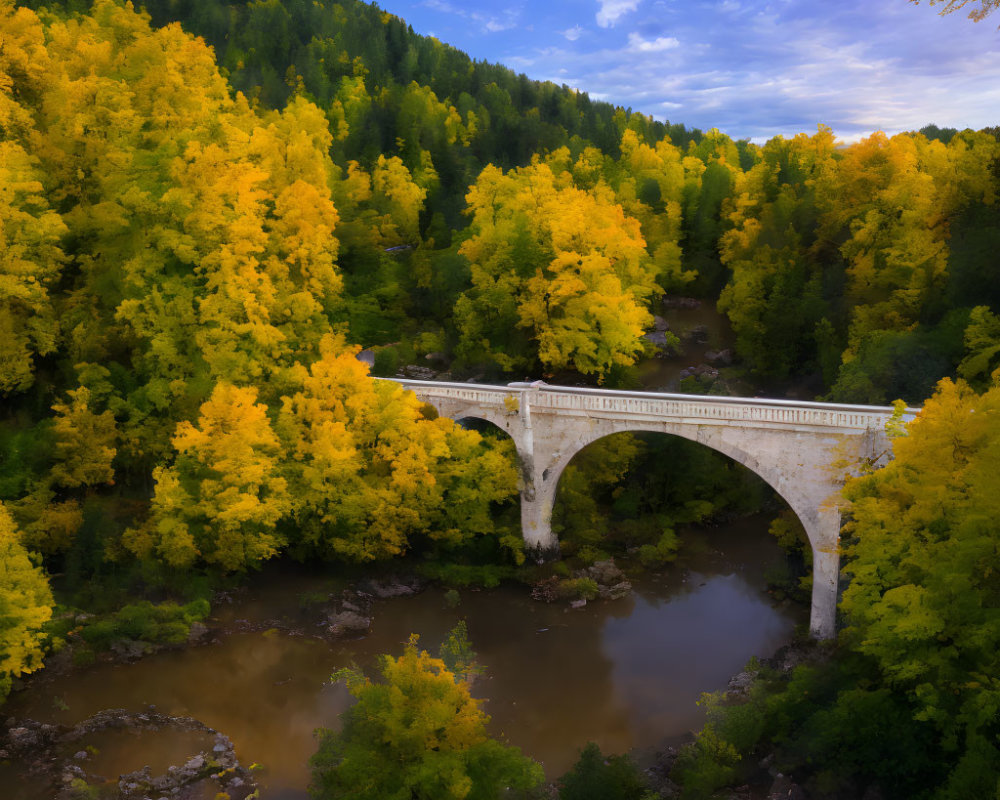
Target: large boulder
<point x="390" y="587"/>
<point x="724" y="357"/>
<point x="347" y="623"/>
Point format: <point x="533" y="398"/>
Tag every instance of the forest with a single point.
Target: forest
<point x="208" y="209"/>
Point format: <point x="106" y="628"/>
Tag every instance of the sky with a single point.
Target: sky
<point x="751" y="68"/>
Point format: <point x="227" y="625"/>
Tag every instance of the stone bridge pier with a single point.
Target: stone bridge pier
<point x="803" y="450"/>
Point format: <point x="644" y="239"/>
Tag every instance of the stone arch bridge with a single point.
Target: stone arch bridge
<point x="804" y="450"/>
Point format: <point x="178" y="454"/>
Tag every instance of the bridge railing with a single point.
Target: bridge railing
<point x="611" y="403"/>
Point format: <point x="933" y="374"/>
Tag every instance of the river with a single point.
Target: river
<point x="625" y="674"/>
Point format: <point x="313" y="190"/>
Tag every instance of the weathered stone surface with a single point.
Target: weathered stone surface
<point x="418" y="373"/>
<point x="700" y="371"/>
<point x="660" y="324"/>
<point x="131" y="649"/>
<point x="616" y="591"/>
<point x="740" y="684"/>
<point x="604" y="572"/>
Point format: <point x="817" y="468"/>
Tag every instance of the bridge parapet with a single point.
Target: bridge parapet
<point x="570" y="400"/>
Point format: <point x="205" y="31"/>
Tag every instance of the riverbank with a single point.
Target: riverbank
<point x="624" y="673"/>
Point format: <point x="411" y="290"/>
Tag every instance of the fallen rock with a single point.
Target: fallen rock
<point x="347" y="622"/>
<point x="611" y="581"/>
<point x="719" y="356"/>
<point x="739" y="685"/>
<point x="606" y="572"/>
<point x="675" y="301"/>
<point x="391" y="587"/>
<point x="418" y="373"/>
<point x="657" y="339"/>
<point x="698" y="334"/>
<point x="197" y="632"/>
<point x="660" y="324"/>
<point x="617" y="591"/>
<point x="131" y="649"/>
<point x="784" y="788"/>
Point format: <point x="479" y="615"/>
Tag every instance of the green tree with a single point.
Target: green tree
<point x="599" y="777"/>
<point x="924" y="598"/>
<point x="418" y="735"/>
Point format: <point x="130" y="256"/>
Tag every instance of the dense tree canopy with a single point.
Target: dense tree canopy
<point x="924" y="597"/>
<point x="206" y="211"/>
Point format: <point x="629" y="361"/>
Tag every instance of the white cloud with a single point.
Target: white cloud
<point x="612" y="10"/>
<point x="495" y="26"/>
<point x="572" y="33"/>
<point x="639" y="45"/>
<point x="487" y="23"/>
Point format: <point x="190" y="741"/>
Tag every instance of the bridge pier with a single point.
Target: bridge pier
<point x="824" y="537"/>
<point x="536" y="525"/>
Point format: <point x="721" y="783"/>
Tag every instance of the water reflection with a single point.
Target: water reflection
<point x="623" y="674"/>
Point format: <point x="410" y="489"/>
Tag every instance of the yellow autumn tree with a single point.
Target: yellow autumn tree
<point x="894" y="199"/>
<point x="25" y="605"/>
<point x="204" y="231"/>
<point x="559" y="274"/>
<point x="220" y="502"/>
<point x="369" y="474"/>
<point x="30" y="261"/>
<point x="85" y="442"/>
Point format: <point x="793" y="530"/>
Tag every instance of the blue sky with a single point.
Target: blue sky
<point x="749" y="67"/>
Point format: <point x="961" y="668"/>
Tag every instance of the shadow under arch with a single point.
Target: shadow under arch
<point x="799" y="502"/>
<point x="661" y="477"/>
<point x="809" y="492"/>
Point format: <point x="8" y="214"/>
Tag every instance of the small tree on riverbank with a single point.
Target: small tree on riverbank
<point x="417" y="735"/>
<point x="25" y="605"/>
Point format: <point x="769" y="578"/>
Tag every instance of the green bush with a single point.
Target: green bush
<point x="663" y="552"/>
<point x="599" y="777"/>
<point x="166" y="623"/>
<point x="578" y="589"/>
<point x="462" y="576"/>
<point x="386" y="362"/>
<point x="707" y="764"/>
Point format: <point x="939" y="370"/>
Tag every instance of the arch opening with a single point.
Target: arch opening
<point x="645" y="496"/>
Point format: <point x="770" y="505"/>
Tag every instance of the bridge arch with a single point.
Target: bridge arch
<point x="800" y="503"/>
<point x="802" y="449"/>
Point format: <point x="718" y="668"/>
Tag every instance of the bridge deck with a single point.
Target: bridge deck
<point x="574" y="400"/>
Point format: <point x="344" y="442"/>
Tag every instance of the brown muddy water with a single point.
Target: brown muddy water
<point x="625" y="674"/>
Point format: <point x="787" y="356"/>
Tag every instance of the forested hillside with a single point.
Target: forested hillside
<point x="208" y="208"/>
